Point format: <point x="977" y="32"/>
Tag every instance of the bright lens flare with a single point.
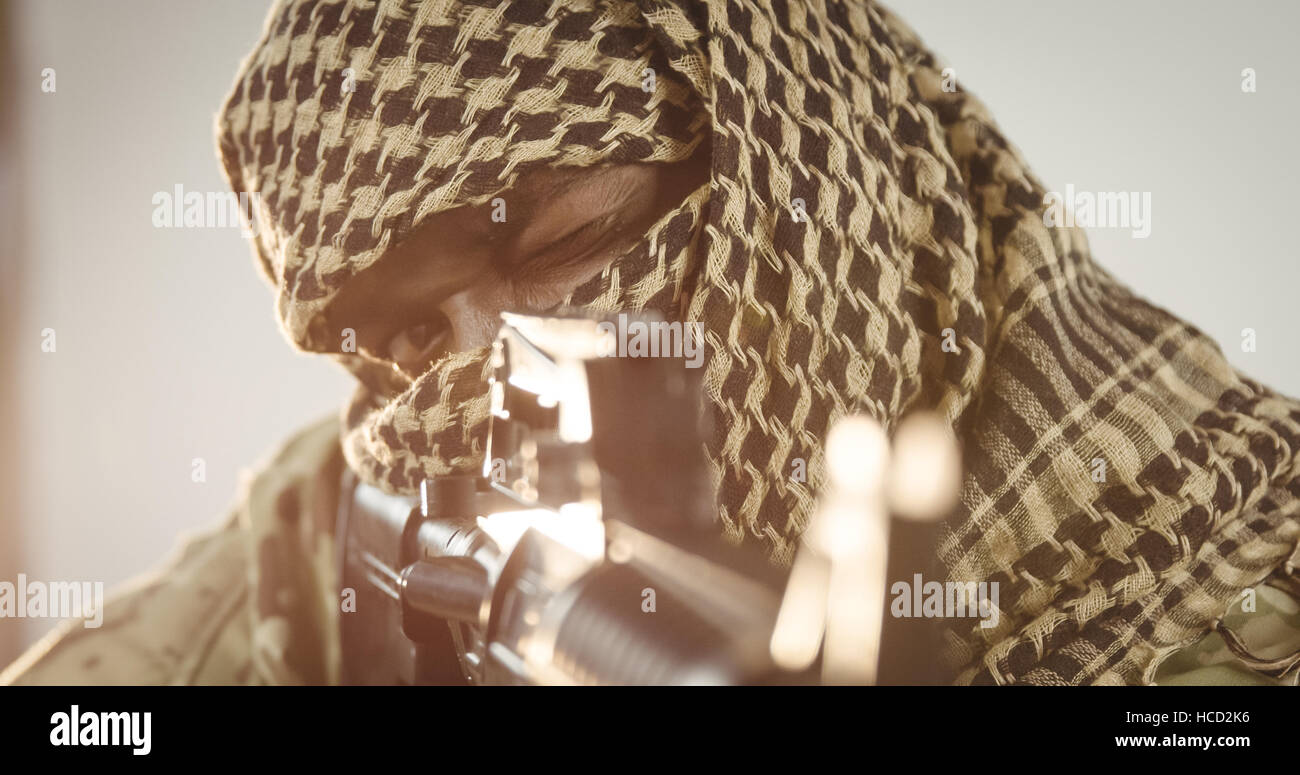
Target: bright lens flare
<point x="578" y="527"/>
<point x="925" y="478"/>
<point x="857" y="452"/>
<point x="834" y="599"/>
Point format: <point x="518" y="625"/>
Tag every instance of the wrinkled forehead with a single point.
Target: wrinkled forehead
<point x="351" y="122"/>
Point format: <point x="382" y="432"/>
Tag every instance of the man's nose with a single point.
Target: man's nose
<point x="475" y="316"/>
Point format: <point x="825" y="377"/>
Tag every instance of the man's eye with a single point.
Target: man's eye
<point x="415" y="344"/>
<point x="575" y="245"/>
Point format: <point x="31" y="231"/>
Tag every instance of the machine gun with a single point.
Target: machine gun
<point x="587" y="551"/>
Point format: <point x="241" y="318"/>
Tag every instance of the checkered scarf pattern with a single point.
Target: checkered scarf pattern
<point x="858" y="218"/>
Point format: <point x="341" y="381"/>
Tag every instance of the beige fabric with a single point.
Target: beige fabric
<point x="1271" y="629"/>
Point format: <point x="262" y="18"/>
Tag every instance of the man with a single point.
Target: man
<point x="850" y="234"/>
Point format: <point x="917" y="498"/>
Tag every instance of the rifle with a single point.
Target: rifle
<point x="586" y="552"/>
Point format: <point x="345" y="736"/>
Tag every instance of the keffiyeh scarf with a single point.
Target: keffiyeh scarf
<point x="868" y="241"/>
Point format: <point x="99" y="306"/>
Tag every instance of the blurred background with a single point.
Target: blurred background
<point x="167" y="348"/>
<point x="167" y="344"/>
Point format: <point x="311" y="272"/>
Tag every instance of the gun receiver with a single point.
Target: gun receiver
<point x="585" y="552"/>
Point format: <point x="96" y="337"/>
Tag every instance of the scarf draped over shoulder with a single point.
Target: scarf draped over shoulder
<point x="868" y="241"/>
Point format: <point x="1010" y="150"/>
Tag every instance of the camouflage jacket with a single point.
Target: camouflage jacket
<point x="253" y="601"/>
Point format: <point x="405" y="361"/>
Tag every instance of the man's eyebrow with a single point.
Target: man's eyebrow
<point x="569" y="178"/>
<point x="525" y="200"/>
<point x="479" y="221"/>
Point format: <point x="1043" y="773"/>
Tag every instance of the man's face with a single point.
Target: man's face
<point x="443" y="289"/>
